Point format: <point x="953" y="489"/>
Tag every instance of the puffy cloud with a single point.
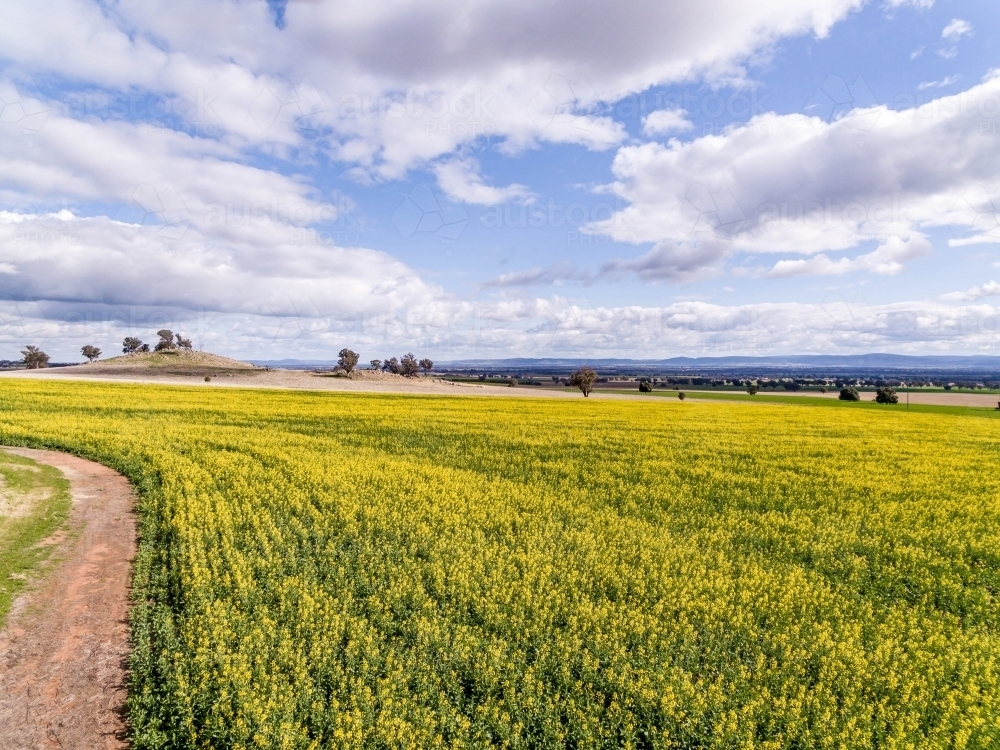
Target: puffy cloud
<point x="396" y="85"/>
<point x="62" y="258"/>
<point x="799" y="184"/>
<point x="290" y="324"/>
<point x="461" y="181"/>
<point x="887" y="260"/>
<point x="989" y="289"/>
<point x="665" y="121"/>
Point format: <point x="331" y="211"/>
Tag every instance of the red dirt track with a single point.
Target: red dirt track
<point x="64" y="648"/>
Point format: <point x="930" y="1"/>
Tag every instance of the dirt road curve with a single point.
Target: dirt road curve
<point x="63" y="651"/>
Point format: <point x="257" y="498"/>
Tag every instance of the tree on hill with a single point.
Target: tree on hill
<point x="34" y="358"/>
<point x="426" y="365"/>
<point x="182" y="342"/>
<point x="131" y="345"/>
<point x="408" y="366"/>
<point x="347" y="360"/>
<point x="849" y="393"/>
<point x="166" y="341"/>
<point x="584" y="379"/>
<point x="90" y="352"/>
<point x="391" y="365"/>
<point x="886" y="395"/>
<point x="376" y="363"/>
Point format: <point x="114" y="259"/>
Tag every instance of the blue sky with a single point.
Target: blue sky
<point x="477" y="179"/>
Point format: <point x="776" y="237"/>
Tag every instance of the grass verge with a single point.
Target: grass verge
<point x="34" y="502"/>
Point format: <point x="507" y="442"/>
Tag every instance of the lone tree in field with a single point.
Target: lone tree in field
<point x="34" y="358"/>
<point x="645" y="386"/>
<point x="584" y="379"/>
<point x="90" y="352"/>
<point x="849" y="393"/>
<point x="408" y="366"/>
<point x="426" y="365"/>
<point x="376" y="363"/>
<point x="886" y="396"/>
<point x="131" y="345"/>
<point x="752" y="389"/>
<point x="166" y="341"/>
<point x="182" y="342"/>
<point x="347" y="360"/>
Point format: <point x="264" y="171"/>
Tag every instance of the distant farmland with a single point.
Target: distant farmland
<point x="332" y="570"/>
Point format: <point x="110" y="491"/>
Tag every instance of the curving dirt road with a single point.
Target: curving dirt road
<point x="63" y="651"/>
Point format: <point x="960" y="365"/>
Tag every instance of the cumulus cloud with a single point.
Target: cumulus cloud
<point x="887" y="260"/>
<point x="449" y="328"/>
<point x="804" y="185"/>
<point x="395" y="86"/>
<point x="989" y="289"/>
<point x="665" y="121"/>
<point x="75" y="260"/>
<point x="461" y="181"/>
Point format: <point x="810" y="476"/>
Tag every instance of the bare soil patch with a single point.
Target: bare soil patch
<point x="63" y="651"/>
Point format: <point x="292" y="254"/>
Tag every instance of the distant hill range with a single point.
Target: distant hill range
<point x="878" y="362"/>
<point x="782" y="362"/>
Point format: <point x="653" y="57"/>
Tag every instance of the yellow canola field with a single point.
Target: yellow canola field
<point x="322" y="570"/>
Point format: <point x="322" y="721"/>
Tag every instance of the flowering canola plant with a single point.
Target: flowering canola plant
<point x="328" y="570"/>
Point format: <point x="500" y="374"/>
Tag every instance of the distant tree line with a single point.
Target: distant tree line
<point x="407" y="365"/>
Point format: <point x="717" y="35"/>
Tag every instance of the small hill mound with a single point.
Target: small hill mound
<point x="185" y="362"/>
<point x="172" y="358"/>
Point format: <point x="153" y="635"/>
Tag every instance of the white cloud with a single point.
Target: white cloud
<point x="461" y="181"/>
<point x="88" y="261"/>
<point x="390" y="87"/>
<point x="886" y="260"/>
<point x="798" y="184"/>
<point x="287" y="325"/>
<point x="989" y="289"/>
<point x="941" y="83"/>
<point x="956" y="30"/>
<point x="666" y="121"/>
